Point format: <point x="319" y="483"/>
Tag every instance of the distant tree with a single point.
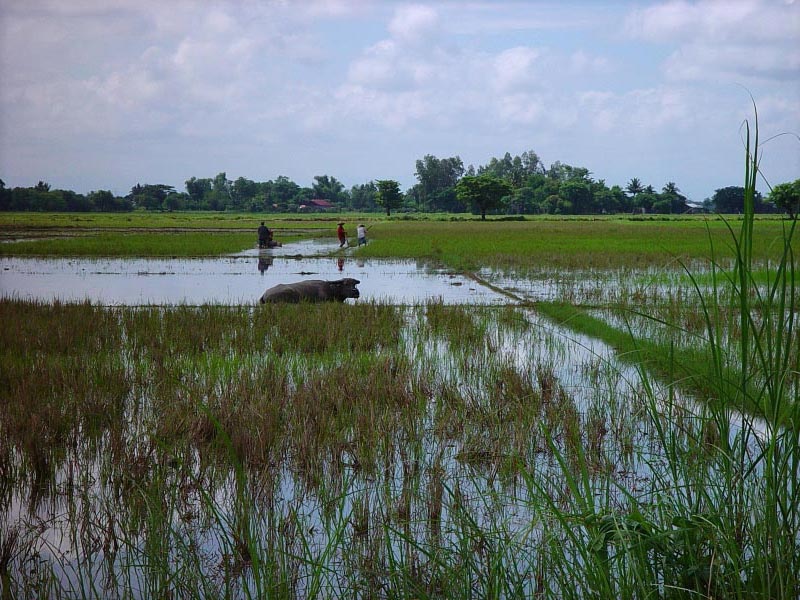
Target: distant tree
<point x="5" y="196"/>
<point x="42" y="187"/>
<point x="150" y="196"/>
<point x="174" y="201"/>
<point x="103" y="201"/>
<point x="329" y="188"/>
<point x="436" y="177"/>
<point x="634" y="187"/>
<point x="482" y="192"/>
<point x="243" y="191"/>
<point x="363" y="197"/>
<point x="644" y="201"/>
<point x="731" y="200"/>
<point x="611" y="200"/>
<point x="786" y="197"/>
<point x="197" y="190"/>
<point x="522" y="201"/>
<point x="388" y="195"/>
<point x="564" y="172"/>
<point x="531" y="164"/>
<point x="578" y="196"/>
<point x="671" y="200"/>
<point x="283" y="192"/>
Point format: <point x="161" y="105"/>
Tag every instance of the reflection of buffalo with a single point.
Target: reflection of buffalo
<point x="312" y="290"/>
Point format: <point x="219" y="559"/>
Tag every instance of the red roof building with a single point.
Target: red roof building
<point x="320" y="203"/>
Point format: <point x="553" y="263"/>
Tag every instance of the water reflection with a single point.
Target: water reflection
<point x="228" y="280"/>
<point x="264" y="262"/>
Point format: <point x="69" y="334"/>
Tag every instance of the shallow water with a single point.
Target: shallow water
<point x="235" y="279"/>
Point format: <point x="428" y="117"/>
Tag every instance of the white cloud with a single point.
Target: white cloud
<point x="414" y="24"/>
<point x="260" y="83"/>
<point x="735" y="40"/>
<point x="516" y="68"/>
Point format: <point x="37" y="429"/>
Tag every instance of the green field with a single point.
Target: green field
<point x="467" y="243"/>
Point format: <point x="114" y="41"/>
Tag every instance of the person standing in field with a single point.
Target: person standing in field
<point x="361" y="233"/>
<point x="340" y="233"/>
<point x="263" y="236"/>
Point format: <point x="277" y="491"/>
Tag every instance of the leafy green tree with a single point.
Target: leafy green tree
<point x="564" y="172"/>
<point x="731" y="199"/>
<point x="644" y="201"/>
<point x="523" y="201"/>
<point x="103" y="200"/>
<point x="482" y="192"/>
<point x="578" y="196"/>
<point x="283" y="192"/>
<point x="550" y="204"/>
<point x="174" y="201"/>
<point x="786" y="196"/>
<point x="389" y="195"/>
<point x="363" y="197"/>
<point x="197" y="190"/>
<point x="329" y="188"/>
<point x="435" y="177"/>
<point x="150" y="196"/>
<point x="243" y="191"/>
<point x="513" y="169"/>
<point x="531" y="163"/>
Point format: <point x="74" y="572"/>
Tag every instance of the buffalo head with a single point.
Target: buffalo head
<point x="343" y="289"/>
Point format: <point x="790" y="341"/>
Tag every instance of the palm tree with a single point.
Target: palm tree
<point x="671" y="189"/>
<point x="635" y="187"/>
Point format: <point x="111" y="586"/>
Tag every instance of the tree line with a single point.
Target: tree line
<point x="511" y="185"/>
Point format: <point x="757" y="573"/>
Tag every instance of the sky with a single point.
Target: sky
<point x="105" y="94"/>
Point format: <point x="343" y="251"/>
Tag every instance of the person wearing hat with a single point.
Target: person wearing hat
<point x="342" y="235"/>
<point x="361" y="233"/>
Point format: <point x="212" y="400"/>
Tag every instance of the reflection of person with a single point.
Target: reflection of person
<point x="340" y="233"/>
<point x="361" y="232"/>
<point x="264" y="263"/>
<point x="264" y="236"/>
<point x="340" y="264"/>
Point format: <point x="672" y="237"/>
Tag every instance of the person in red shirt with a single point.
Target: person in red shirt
<point x="342" y="235"/>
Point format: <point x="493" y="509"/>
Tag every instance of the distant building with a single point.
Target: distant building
<point x="317" y="204"/>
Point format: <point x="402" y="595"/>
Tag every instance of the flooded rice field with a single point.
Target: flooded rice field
<point x="231" y="280"/>
<point x="434" y="438"/>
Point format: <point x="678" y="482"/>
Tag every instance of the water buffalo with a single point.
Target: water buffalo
<point x="312" y="290"/>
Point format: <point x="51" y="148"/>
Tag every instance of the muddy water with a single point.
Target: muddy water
<point x="236" y="279"/>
